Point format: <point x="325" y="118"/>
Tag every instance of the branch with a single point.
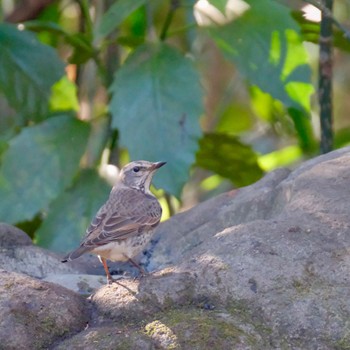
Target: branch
<point x="27" y="10"/>
<point x="325" y="78"/>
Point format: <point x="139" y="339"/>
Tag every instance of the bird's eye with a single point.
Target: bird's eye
<point x="136" y="169"/>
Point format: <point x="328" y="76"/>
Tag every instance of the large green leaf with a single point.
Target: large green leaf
<point x="70" y="214"/>
<point x="116" y="15"/>
<point x="265" y="45"/>
<point x="156" y="105"/>
<point x="227" y="156"/>
<point x="38" y="165"/>
<point x="28" y="69"/>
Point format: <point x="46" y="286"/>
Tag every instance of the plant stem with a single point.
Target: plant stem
<point x="87" y="21"/>
<point x="174" y="4"/>
<point x="325" y="78"/>
<point x="182" y="29"/>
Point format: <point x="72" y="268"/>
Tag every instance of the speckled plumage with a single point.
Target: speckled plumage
<point x="125" y="223"/>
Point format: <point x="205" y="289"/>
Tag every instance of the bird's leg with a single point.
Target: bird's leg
<point x="110" y="279"/>
<point x="142" y="271"/>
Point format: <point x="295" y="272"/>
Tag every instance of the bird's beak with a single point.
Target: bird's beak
<point x="158" y="165"/>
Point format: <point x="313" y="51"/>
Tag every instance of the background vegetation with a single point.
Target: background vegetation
<point x="221" y="90"/>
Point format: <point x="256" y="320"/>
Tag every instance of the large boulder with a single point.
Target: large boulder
<point x="18" y="254"/>
<point x="263" y="267"/>
<point x="34" y="314"/>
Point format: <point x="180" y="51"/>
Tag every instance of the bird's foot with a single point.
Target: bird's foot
<point x="142" y="271"/>
<point x="111" y="280"/>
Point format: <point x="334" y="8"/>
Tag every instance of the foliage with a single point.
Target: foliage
<point x="139" y="70"/>
<point x="39" y="164"/>
<point x="227" y="156"/>
<point x="27" y="72"/>
<point x="158" y="89"/>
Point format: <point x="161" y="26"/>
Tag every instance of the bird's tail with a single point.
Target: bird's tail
<point x="75" y="254"/>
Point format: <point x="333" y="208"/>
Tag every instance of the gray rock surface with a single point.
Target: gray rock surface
<point x="18" y="254"/>
<point x="34" y="314"/>
<point x="81" y="283"/>
<point x="263" y="267"/>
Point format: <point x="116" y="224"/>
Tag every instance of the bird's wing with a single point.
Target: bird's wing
<point x="126" y="213"/>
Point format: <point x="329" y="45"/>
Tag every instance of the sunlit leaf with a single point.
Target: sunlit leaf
<point x="235" y="119"/>
<point x="70" y="214"/>
<point x="265" y="45"/>
<point x="303" y="128"/>
<point x="282" y="157"/>
<point x="272" y="110"/>
<point x="262" y="103"/>
<point x="115" y="16"/>
<point x="28" y="69"/>
<point x="211" y="182"/>
<point x="342" y="138"/>
<point x="227" y="156"/>
<point x="38" y="165"/>
<point x="64" y="96"/>
<point x="156" y="105"/>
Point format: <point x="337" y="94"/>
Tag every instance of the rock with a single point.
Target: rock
<point x="81" y="283"/>
<point x="18" y="254"/>
<point x="280" y="247"/>
<point x="186" y="328"/>
<point x="263" y="267"/>
<point x="107" y="338"/>
<point x="33" y="314"/>
<point x="176" y="238"/>
<point x="130" y="300"/>
<point x="13" y="237"/>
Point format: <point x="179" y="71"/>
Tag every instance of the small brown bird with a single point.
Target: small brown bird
<point x="125" y="223"/>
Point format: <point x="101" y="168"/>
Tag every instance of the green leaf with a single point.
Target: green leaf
<point x="227" y="156"/>
<point x="28" y="69"/>
<point x="82" y="47"/>
<point x="265" y="45"/>
<point x="235" y="119"/>
<point x="272" y="110"/>
<point x="280" y="158"/>
<point x="156" y="105"/>
<point x="342" y="138"/>
<point x="81" y="43"/>
<point x="70" y="214"/>
<point x="116" y="15"/>
<point x="38" y="165"/>
<point x="304" y="130"/>
<point x="45" y="26"/>
<point x="64" y="96"/>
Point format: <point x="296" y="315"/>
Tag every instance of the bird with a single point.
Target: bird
<point x="124" y="225"/>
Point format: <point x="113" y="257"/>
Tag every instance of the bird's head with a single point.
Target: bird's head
<point x="139" y="174"/>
